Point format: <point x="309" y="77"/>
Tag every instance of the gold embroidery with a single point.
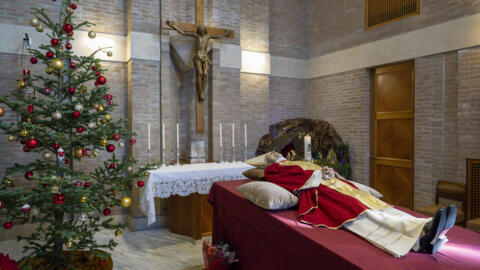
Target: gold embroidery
<point x="302" y="164"/>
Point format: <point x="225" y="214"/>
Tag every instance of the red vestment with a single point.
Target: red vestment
<point x="319" y="206"/>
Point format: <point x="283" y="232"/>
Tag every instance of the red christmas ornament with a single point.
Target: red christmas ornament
<point x="87" y="184"/>
<point x="94" y="68"/>
<point x="116" y="137"/>
<point x="84" y="152"/>
<point x="97" y="74"/>
<point x="47" y="91"/>
<point x="102" y="262"/>
<point x="112" y="166"/>
<point x="67" y="28"/>
<point x="132" y="141"/>
<point x="66" y="161"/>
<point x="28" y="175"/>
<point x="71" y="90"/>
<point x="56" y="146"/>
<point x="110" y="148"/>
<point x="30" y="108"/>
<point x="26" y="149"/>
<point x="79" y="129"/>
<point x="25" y="208"/>
<point x="73" y="65"/>
<point x="7" y="225"/>
<point x="140" y="183"/>
<point x="70" y="34"/>
<point x="68" y="46"/>
<point x="110" y="103"/>
<point x="1" y="204"/>
<point x="73" y="6"/>
<point x="26" y="72"/>
<point x="23" y="141"/>
<point x="78" y="184"/>
<point x="107" y="212"/>
<point x="33" y="60"/>
<point x="59" y="198"/>
<point x="101" y="80"/>
<point x="49" y="54"/>
<point x="108" y="97"/>
<point x="32" y="143"/>
<point x="54" y="42"/>
<point x="75" y="114"/>
<point x="96" y="84"/>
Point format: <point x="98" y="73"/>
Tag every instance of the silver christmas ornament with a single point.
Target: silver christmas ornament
<point x="92" y="125"/>
<point x="78" y="107"/>
<point x="35" y="211"/>
<point x="57" y="115"/>
<point x="92" y="34"/>
<point x="83" y="217"/>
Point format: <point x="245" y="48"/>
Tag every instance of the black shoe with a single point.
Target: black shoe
<point x="429" y="242"/>
<point x="450" y="221"/>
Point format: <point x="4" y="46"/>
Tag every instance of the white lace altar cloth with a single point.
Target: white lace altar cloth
<point x="184" y="180"/>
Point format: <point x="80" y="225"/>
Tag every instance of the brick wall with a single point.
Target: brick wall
<point x="287" y="99"/>
<point x="343" y="100"/>
<point x="336" y="25"/>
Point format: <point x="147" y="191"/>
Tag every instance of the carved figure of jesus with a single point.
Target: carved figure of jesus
<point x="200" y="59"/>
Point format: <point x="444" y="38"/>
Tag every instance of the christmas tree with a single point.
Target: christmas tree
<point x="65" y="114"/>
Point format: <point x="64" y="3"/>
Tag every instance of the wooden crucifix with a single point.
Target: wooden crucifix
<point x="202" y="62"/>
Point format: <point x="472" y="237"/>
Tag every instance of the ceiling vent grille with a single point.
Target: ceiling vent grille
<point x="380" y="12"/>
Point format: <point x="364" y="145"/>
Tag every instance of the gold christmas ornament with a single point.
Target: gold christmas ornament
<point x="83" y="199"/>
<point x="69" y="10"/>
<point x="57" y="115"/>
<point x="78" y="152"/>
<point x="104" y="121"/>
<point x="21" y="84"/>
<point x="104" y="142"/>
<point x="69" y="244"/>
<point x="95" y="153"/>
<point x="2" y="111"/>
<point x="57" y="64"/>
<point x="34" y="21"/>
<point x="108" y="117"/>
<point x="47" y="155"/>
<point x="109" y="54"/>
<point x="118" y="232"/>
<point x="60" y="49"/>
<point x="92" y="34"/>
<point x="100" y="108"/>
<point x="78" y="107"/>
<point x="11" y="138"/>
<point x="55" y="189"/>
<point x="24" y="133"/>
<point x="146" y="174"/>
<point x="96" y="106"/>
<point x="49" y="70"/>
<point x="126" y="201"/>
<point x="39" y="28"/>
<point x="35" y="211"/>
<point x="129" y="169"/>
<point x="121" y="144"/>
<point x="29" y="120"/>
<point x="8" y="182"/>
<point x="131" y="158"/>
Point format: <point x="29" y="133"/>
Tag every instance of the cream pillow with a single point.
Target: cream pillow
<point x="268" y="195"/>
<point x="264" y="160"/>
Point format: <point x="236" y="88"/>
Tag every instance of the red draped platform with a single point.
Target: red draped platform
<point x="276" y="240"/>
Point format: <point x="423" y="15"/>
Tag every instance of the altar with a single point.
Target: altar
<point x="187" y="187"/>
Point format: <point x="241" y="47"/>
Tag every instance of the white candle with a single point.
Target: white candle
<point x="178" y="137"/>
<point x="245" y="134"/>
<point x="149" y="137"/>
<point x="163" y="136"/>
<point x="233" y="135"/>
<point x="308" y="147"/>
<point x="221" y="139"/>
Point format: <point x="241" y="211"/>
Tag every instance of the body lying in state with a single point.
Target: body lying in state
<point x="326" y="199"/>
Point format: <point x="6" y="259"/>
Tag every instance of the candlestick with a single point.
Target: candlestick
<point x="221" y="143"/>
<point x="308" y="147"/>
<point x="246" y="145"/>
<point x="233" y="142"/>
<point x="164" y="154"/>
<point x="178" y="145"/>
<point x="149" y="136"/>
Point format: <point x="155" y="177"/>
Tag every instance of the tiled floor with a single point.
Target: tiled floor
<point x="152" y="249"/>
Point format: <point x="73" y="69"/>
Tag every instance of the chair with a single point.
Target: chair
<point x="452" y="191"/>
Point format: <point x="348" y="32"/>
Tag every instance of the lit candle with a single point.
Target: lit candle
<point x="149" y="136"/>
<point x="163" y="136"/>
<point x="245" y="134"/>
<point x="178" y="137"/>
<point x="233" y="135"/>
<point x="221" y="139"/>
<point x="308" y="147"/>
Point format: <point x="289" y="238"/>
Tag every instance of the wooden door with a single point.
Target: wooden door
<point x="392" y="111"/>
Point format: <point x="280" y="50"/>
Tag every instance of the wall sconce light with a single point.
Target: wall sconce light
<point x="255" y="62"/>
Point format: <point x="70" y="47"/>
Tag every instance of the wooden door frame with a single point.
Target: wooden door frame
<point x="373" y="126"/>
